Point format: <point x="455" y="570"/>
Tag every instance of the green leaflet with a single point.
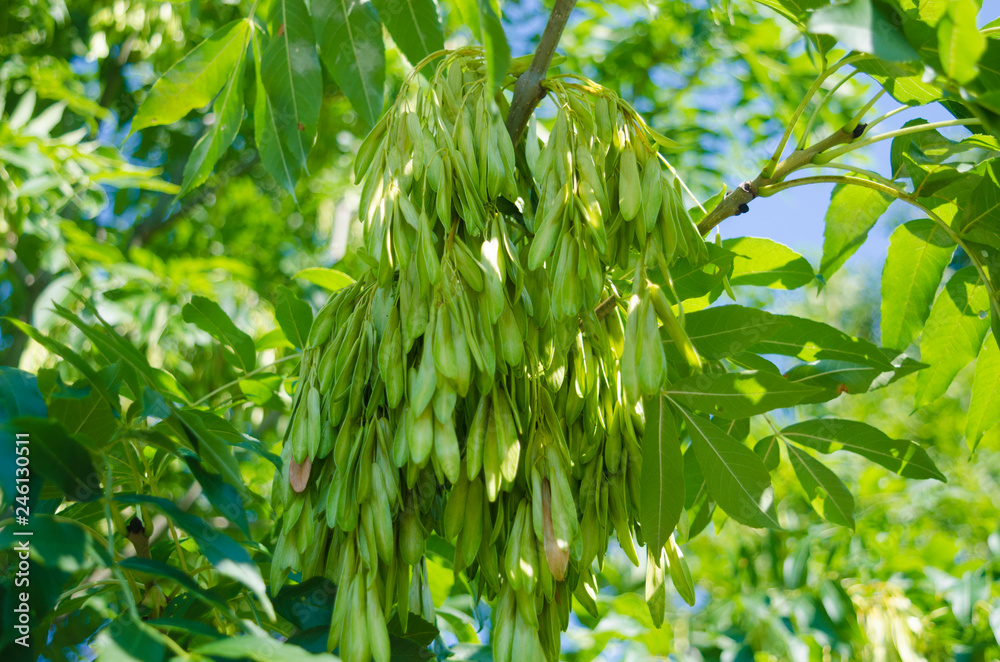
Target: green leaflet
<point x="229" y="557"/>
<point x="810" y="340"/>
<point x="662" y="478"/>
<point x="274" y="152"/>
<point x="984" y="409"/>
<point x="738" y="394"/>
<point x="495" y="41"/>
<point x="61" y="458"/>
<point x="174" y="574"/>
<point x="766" y="263"/>
<point x="21" y="397"/>
<point x="260" y="649"/>
<point x="116" y="348"/>
<point x="919" y="251"/>
<point x="291" y="75"/>
<point x="63" y="352"/>
<point x="902" y="81"/>
<point x="723" y="331"/>
<point x="960" y="45"/>
<point x="861" y="26"/>
<point x="954" y="333"/>
<point x="228" y="111"/>
<point x="414" y="26"/>
<point x="209" y="317"/>
<point x="852" y="213"/>
<point x="827" y="435"/>
<point x="294" y="317"/>
<point x="328" y="279"/>
<point x="195" y="80"/>
<point x="735" y="476"/>
<point x="824" y="489"/>
<point x="350" y="42"/>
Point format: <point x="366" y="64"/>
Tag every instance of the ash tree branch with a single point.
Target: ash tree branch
<point x="736" y="201"/>
<point x="528" y="90"/>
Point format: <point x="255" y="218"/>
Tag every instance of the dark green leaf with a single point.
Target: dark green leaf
<point x="350" y="41"/>
<point x="228" y="557"/>
<point x="737" y="394"/>
<point x="19" y="395"/>
<point x="307" y="605"/>
<point x="89" y="416"/>
<point x="735" y="475"/>
<point x="414" y="26"/>
<point x="61" y="458"/>
<point x="291" y="74"/>
<point x="74" y="359"/>
<point x="294" y="316"/>
<point x="161" y="569"/>
<point x="195" y="80"/>
<point x="695" y="280"/>
<point x="827" y="435"/>
<point x="662" y="480"/>
<point x="221" y="494"/>
<point x="824" y="489"/>
<point x="919" y="251"/>
<point x="274" y="153"/>
<point x="129" y="640"/>
<point x="209" y="317"/>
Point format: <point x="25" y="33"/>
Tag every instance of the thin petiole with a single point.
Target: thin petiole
<point x="776" y="157"/>
<point x="829" y="155"/>
<point x="804" y="140"/>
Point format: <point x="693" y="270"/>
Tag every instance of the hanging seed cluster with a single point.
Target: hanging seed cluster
<point x="483" y="381"/>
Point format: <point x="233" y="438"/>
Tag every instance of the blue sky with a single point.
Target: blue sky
<point x="795" y="217"/>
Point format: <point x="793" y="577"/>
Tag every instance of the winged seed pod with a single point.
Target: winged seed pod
<point x="471" y="383"/>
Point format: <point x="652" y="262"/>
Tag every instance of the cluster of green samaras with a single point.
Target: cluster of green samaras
<point x="483" y="381"/>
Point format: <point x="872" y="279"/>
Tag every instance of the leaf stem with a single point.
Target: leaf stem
<point x="886" y="115"/>
<point x="249" y="374"/>
<point x="834" y="153"/>
<point x="804" y="140"/>
<point x="772" y="163"/>
<point x="898" y="194"/>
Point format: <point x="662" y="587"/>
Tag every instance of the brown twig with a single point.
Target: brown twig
<point x="736" y="201"/>
<point x="528" y="90"/>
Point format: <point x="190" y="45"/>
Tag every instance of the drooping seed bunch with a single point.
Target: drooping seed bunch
<point x="481" y="382"/>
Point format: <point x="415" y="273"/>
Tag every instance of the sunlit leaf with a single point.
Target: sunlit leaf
<point x="955" y="330"/>
<point x="984" y="408"/>
<point x="195" y="80"/>
<point x="919" y="251"/>
<point x="767" y="263"/>
<point x="852" y="213"/>
<point x="737" y="394"/>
